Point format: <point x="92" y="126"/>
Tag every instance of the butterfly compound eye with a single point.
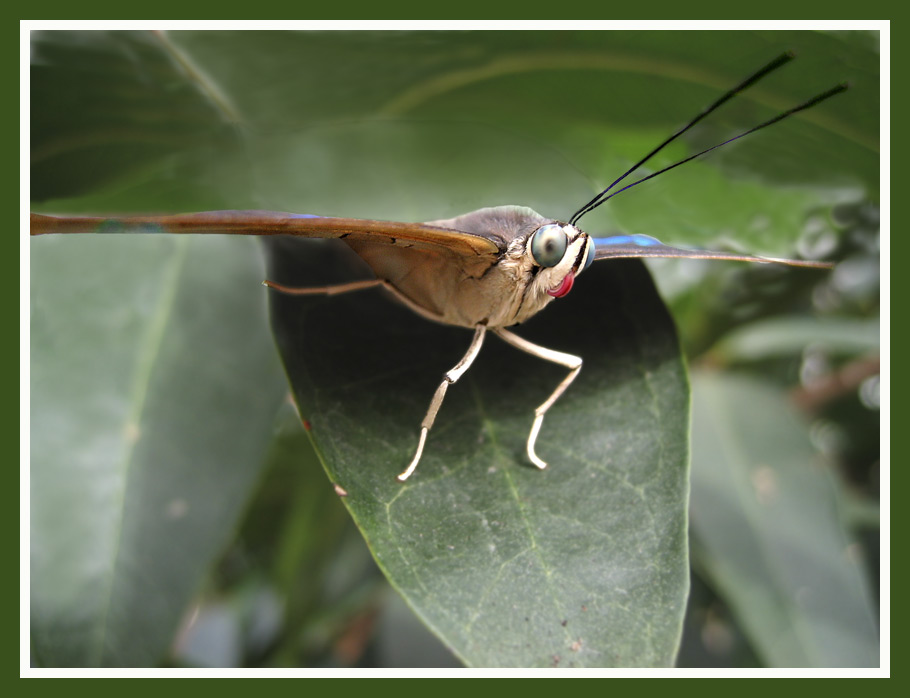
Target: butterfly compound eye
<point x="548" y="245"/>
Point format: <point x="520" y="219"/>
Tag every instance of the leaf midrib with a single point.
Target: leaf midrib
<point x="150" y="352"/>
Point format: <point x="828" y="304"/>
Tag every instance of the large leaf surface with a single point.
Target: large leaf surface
<point x="583" y="564"/>
<point x="151" y="410"/>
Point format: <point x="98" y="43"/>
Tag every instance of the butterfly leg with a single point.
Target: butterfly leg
<point x="324" y="290"/>
<point x="456" y="372"/>
<point x="568" y="360"/>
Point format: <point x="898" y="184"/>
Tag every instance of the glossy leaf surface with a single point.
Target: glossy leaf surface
<point x="583" y="564"/>
<point x="151" y="412"/>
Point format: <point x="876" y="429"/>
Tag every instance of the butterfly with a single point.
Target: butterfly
<point x="486" y="270"/>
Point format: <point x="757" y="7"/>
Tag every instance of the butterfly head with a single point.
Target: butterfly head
<point x="558" y="253"/>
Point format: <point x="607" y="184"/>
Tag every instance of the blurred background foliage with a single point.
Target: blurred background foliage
<point x="229" y="547"/>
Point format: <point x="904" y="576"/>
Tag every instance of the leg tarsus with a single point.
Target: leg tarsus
<point x="570" y="361"/>
<point x="532" y="438"/>
<point x="414" y="461"/>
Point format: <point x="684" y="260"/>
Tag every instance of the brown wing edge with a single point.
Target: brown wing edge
<point x="252" y="222"/>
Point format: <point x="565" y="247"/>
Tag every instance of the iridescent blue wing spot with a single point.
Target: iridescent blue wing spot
<point x="641" y="240"/>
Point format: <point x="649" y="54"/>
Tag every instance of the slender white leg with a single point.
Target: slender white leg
<point x="450" y="377"/>
<point x="324" y="290"/>
<point x="568" y="360"/>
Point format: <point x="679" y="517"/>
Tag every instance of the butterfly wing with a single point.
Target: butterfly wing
<point x="424" y="262"/>
<point x="418" y="235"/>
<point x="619" y="246"/>
<point x="476" y="238"/>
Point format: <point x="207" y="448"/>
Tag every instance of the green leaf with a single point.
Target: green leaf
<point x="151" y="410"/>
<point x="113" y="106"/>
<point x="767" y="531"/>
<point x="788" y="335"/>
<point x="583" y="564"/>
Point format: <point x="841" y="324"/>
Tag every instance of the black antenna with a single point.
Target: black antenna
<point x="782" y="59"/>
<point x="748" y="82"/>
<point x="837" y="89"/>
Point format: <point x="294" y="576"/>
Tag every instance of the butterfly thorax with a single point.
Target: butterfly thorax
<point x="502" y="288"/>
